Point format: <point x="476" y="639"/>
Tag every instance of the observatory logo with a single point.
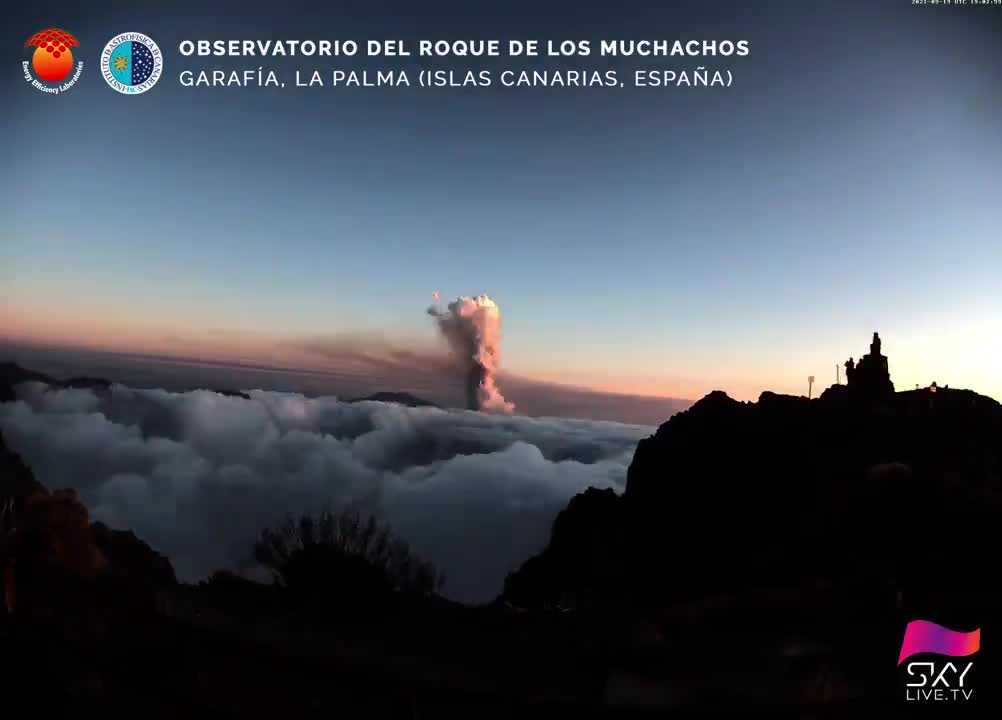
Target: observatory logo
<point x="51" y="69"/>
<point x="131" y="63"/>
<point x="938" y="680"/>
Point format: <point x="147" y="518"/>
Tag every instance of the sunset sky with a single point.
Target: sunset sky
<point x="662" y="242"/>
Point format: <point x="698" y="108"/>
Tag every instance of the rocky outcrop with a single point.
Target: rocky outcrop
<point x="729" y="495"/>
<point x="49" y="550"/>
<point x="12" y="374"/>
<point x="580" y="557"/>
<point x="131" y="558"/>
<point x="16" y="479"/>
<point x="53" y="530"/>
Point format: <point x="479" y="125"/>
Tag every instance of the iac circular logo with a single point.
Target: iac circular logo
<point x="51" y="68"/>
<point x="131" y="63"/>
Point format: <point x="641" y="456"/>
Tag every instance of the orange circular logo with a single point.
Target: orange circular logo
<point x="52" y="60"/>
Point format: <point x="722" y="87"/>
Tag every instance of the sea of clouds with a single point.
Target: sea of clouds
<point x="198" y="474"/>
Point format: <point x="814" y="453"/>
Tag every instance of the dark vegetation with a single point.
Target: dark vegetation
<point x="342" y="558"/>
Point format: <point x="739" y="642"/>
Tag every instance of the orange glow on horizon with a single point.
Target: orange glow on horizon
<point x="916" y="360"/>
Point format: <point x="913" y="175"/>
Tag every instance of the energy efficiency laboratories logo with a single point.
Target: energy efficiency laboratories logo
<point x="131" y="63"/>
<point x="51" y="61"/>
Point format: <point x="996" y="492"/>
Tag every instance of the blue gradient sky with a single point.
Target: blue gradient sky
<point x="658" y="241"/>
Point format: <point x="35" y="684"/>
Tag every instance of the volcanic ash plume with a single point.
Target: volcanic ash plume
<point x="473" y="328"/>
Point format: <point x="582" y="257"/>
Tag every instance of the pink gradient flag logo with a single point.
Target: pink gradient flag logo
<point x="922" y="636"/>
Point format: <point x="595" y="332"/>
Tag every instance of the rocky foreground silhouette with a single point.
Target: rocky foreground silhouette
<point x="816" y="528"/>
<point x="763" y="553"/>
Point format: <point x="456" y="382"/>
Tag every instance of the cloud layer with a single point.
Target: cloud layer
<point x="198" y="474"/>
<point x="349" y="367"/>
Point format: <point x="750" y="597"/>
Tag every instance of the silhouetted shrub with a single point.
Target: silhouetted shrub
<point x="343" y="558"/>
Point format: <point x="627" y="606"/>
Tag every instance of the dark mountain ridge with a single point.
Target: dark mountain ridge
<point x="400" y="398"/>
<point x="12" y="374"/>
<point x="728" y="493"/>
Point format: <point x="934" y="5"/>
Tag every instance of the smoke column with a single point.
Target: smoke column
<point x="472" y="325"/>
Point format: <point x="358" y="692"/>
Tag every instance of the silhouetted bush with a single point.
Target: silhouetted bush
<point x="343" y="557"/>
